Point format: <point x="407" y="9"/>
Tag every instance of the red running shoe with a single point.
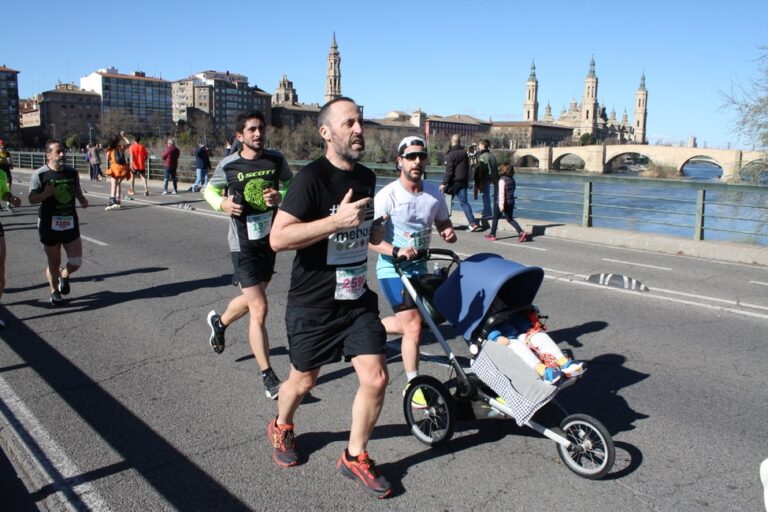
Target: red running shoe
<point x="490" y="238"/>
<point x="283" y="442"/>
<point x="523" y="237"/>
<point x="365" y="474"/>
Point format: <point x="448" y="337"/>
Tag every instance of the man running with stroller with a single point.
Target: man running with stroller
<point x="410" y="206"/>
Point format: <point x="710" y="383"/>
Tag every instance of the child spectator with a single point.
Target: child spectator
<point x="506" y="203"/>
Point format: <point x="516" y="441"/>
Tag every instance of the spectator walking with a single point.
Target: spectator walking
<point x="202" y="167"/>
<point x="487" y="179"/>
<point x="139" y="157"/>
<point x="170" y="158"/>
<point x="456" y="179"/>
<point x="94" y="161"/>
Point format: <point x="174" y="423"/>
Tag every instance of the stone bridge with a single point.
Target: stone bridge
<point x="600" y="158"/>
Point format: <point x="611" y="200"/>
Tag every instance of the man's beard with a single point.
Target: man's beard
<point x="346" y="152"/>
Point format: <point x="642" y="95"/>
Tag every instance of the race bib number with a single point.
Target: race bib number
<point x="62" y="222"/>
<point x="350" y="282"/>
<point x="258" y="225"/>
<point x="407" y="238"/>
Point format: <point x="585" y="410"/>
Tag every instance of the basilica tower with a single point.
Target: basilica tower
<point x="641" y="112"/>
<point x="589" y="105"/>
<point x="531" y="104"/>
<point x="333" y="75"/>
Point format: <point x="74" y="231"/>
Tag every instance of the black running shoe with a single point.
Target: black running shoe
<point x="64" y="285"/>
<point x="56" y="299"/>
<point x="271" y="384"/>
<point x="363" y="471"/>
<point x="217" y="332"/>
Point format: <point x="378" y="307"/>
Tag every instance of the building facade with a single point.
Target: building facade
<point x="463" y="125"/>
<point x="61" y="113"/>
<point x="210" y="101"/>
<point x="9" y="106"/>
<point x="136" y="103"/>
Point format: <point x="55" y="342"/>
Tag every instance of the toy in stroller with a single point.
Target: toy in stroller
<point x="475" y="296"/>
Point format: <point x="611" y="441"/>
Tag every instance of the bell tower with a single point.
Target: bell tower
<point x="333" y="75"/>
<point x="531" y="104"/>
<point x="641" y="112"/>
<point x="589" y="106"/>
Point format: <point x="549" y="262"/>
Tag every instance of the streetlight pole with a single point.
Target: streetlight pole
<point x="90" y="134"/>
<point x="54" y="130"/>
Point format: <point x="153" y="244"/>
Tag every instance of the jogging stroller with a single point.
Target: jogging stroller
<point x="474" y="296"/>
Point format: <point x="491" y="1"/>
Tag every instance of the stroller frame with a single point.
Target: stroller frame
<point x="583" y="443"/>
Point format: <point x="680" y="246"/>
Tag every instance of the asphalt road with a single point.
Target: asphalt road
<point x="116" y="401"/>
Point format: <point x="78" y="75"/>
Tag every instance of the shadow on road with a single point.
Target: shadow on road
<point x="177" y="479"/>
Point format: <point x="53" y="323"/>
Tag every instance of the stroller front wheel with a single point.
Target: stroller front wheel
<point x="429" y="410"/>
<point x="592" y="453"/>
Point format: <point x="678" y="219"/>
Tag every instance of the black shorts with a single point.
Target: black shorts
<point x="252" y="268"/>
<point x="2" y="233"/>
<point x="136" y="172"/>
<point x="318" y="336"/>
<point x="50" y="237"/>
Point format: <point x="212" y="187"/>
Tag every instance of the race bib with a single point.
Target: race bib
<point x="258" y="225"/>
<point x="62" y="222"/>
<point x="350" y="282"/>
<point x="407" y="238"/>
<point x="349" y="246"/>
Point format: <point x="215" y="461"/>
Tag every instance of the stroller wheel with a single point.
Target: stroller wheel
<point x="429" y="410"/>
<point x="592" y="452"/>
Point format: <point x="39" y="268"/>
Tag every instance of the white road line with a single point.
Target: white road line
<point x="758" y="282"/>
<point x="635" y="264"/>
<point x="46" y="454"/>
<point x="94" y="241"/>
<point x="523" y="246"/>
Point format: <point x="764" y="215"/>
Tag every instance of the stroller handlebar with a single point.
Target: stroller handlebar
<point x="427" y="255"/>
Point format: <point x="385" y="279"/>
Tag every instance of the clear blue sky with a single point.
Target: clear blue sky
<point x="443" y="57"/>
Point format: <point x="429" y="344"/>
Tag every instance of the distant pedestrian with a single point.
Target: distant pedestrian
<point x="487" y="179"/>
<point x="456" y="179"/>
<point x="117" y="169"/>
<point x="94" y="161"/>
<point x="6" y="165"/>
<point x="506" y="204"/>
<point x="139" y="156"/>
<point x="170" y="158"/>
<point x="202" y="167"/>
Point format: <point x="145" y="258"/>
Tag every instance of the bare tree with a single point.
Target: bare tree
<point x="750" y="104"/>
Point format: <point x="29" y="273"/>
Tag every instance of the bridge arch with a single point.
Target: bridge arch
<point x="568" y="161"/>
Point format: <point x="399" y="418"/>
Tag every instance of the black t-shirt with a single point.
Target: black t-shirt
<point x="60" y="207"/>
<point x="333" y="271"/>
<point x="248" y="179"/>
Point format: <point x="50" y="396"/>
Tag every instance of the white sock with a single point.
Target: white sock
<point x="411" y="375"/>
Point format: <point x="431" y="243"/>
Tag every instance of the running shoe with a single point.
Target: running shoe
<point x="271" y="384"/>
<point x="490" y="238"/>
<point x="164" y="192"/>
<point x="363" y="471"/>
<point x="174" y="192"/>
<point x="56" y="298"/>
<point x="146" y="192"/>
<point x="217" y="332"/>
<point x="283" y="442"/>
<point x="523" y="237"/>
<point x="64" y="285"/>
<point x="418" y="401"/>
<point x="473" y="227"/>
<point x="573" y="368"/>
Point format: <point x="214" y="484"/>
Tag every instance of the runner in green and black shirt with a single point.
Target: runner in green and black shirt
<point x="256" y="179"/>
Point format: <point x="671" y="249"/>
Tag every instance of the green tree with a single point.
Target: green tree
<point x="587" y="139"/>
<point x="73" y="142"/>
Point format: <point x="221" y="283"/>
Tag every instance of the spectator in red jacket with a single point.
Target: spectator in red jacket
<point x="170" y="158"/>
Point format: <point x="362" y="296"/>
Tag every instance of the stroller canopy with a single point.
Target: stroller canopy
<point x="468" y="293"/>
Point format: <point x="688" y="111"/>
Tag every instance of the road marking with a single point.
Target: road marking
<point x="758" y="282"/>
<point x="60" y="473"/>
<point x="523" y="246"/>
<point x="635" y="264"/>
<point x="94" y="241"/>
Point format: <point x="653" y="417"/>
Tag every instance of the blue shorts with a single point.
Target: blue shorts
<point x="397" y="296"/>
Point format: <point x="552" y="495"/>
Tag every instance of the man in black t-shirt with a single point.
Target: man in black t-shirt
<point x="55" y="186"/>
<point x="253" y="177"/>
<point x="327" y="218"/>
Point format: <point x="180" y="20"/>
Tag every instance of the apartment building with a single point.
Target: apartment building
<point x="210" y="101"/>
<point x="60" y="113"/>
<point x="9" y="105"/>
<point x="136" y="103"/>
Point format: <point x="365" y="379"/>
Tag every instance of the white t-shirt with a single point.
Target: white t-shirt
<point x="409" y="222"/>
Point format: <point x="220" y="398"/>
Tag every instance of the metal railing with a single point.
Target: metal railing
<point x="686" y="208"/>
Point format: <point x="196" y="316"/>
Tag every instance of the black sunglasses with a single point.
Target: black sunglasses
<point x="414" y="156"/>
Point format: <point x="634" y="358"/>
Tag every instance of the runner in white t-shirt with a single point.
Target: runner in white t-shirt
<point x="410" y="207"/>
